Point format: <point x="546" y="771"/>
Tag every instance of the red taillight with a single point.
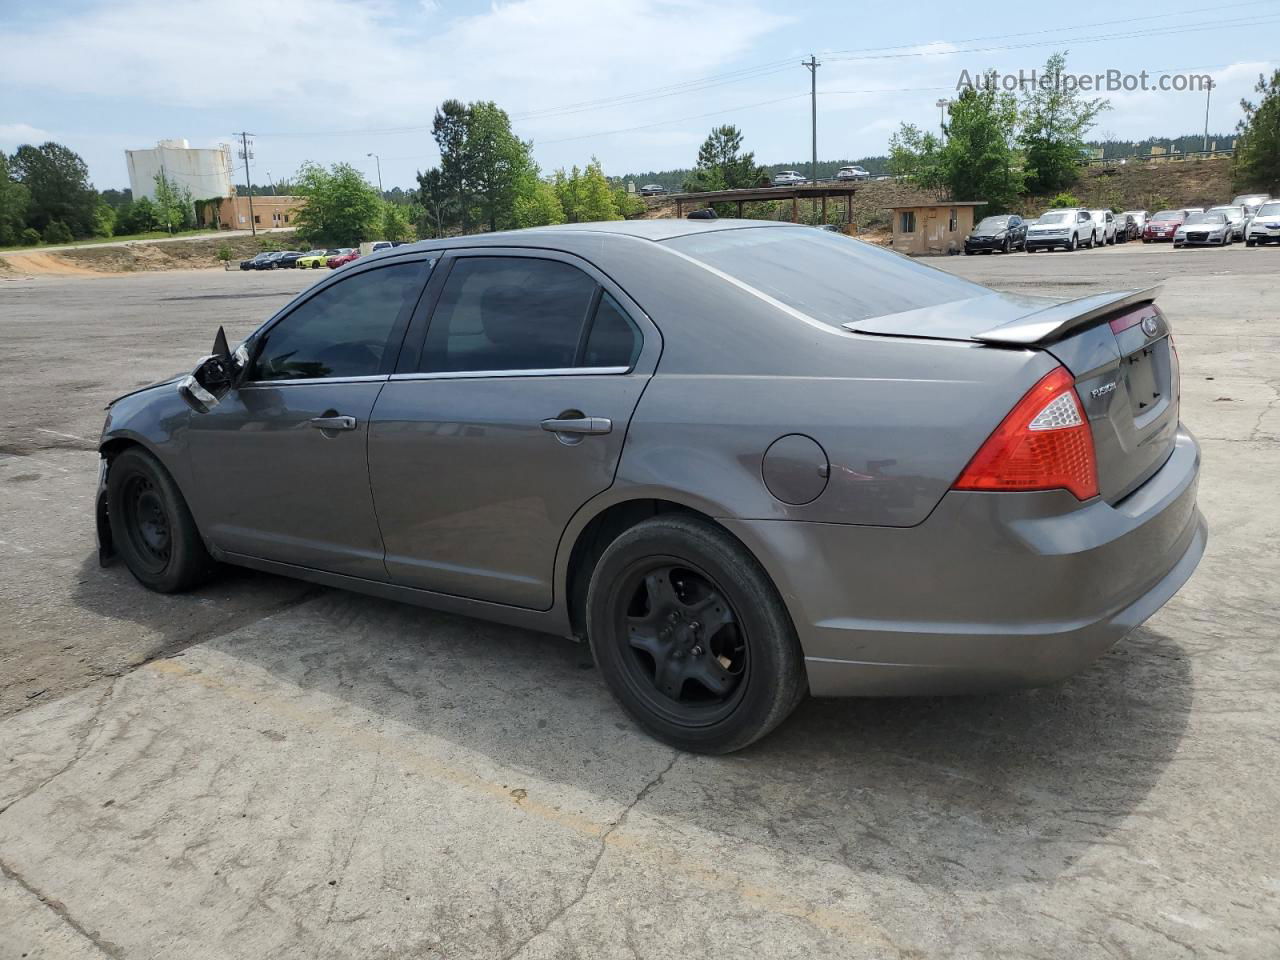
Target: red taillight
<point x="1043" y="444"/>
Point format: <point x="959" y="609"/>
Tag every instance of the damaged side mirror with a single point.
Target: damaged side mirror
<point x="214" y="377"/>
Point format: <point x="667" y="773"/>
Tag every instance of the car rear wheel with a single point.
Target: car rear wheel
<point x="691" y="636"/>
<point x="151" y="526"/>
<point x="1073" y="244"/>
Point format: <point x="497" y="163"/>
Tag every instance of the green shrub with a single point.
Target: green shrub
<point x="1065" y="199"/>
<point x="57" y="232"/>
<point x="224" y="252"/>
<point x="30" y="237"/>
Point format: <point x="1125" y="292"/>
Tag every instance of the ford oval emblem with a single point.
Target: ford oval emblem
<point x="1150" y="326"/>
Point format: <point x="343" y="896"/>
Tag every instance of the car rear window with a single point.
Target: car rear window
<point x="826" y="276"/>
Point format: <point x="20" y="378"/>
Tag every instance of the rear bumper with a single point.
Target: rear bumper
<point x="993" y="591"/>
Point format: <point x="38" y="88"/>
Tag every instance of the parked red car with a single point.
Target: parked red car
<point x="1163" y="225"/>
<point x="343" y="258"/>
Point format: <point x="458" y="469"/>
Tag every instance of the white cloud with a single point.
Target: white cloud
<point x="13" y="135"/>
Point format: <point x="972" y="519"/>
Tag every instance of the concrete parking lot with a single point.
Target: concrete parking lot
<point x="266" y="769"/>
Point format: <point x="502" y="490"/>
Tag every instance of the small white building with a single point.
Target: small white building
<point x="207" y="173"/>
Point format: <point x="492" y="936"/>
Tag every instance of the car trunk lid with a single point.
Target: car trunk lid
<point x="1116" y="345"/>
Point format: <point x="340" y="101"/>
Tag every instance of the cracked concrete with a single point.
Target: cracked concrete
<point x="259" y="771"/>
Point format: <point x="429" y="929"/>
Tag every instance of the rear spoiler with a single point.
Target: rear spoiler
<point x="1056" y="321"/>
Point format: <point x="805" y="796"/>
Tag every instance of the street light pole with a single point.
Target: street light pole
<point x="378" y="160"/>
<point x="1207" y="93"/>
<point x="942" y="116"/>
<point x="248" y="184"/>
<point x="812" y="66"/>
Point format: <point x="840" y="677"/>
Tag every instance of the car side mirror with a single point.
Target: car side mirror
<point x="214" y="376"/>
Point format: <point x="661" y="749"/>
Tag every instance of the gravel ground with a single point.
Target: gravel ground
<point x="265" y="769"/>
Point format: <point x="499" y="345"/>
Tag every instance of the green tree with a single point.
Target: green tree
<point x="979" y="159"/>
<point x="499" y="163"/>
<point x="917" y="156"/>
<point x="449" y="128"/>
<point x="585" y="196"/>
<point x="721" y="165"/>
<point x="104" y="220"/>
<point x="627" y="205"/>
<point x="395" y="223"/>
<point x="57" y="183"/>
<point x="13" y="205"/>
<point x="55" y="231"/>
<point x="341" y="208"/>
<point x="139" y="216"/>
<point x="1257" y="158"/>
<point x="538" y="205"/>
<point x="175" y="209"/>
<point x="1055" y="118"/>
<point x="434" y="203"/>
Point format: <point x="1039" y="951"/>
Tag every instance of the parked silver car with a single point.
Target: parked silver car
<point x="1264" y="225"/>
<point x="1104" y="227"/>
<point x="1139" y="218"/>
<point x="1204" y="229"/>
<point x="743" y="460"/>
<point x="787" y="178"/>
<point x="1068" y="228"/>
<point x="1239" y="219"/>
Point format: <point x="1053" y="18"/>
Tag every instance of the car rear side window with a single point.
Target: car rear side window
<point x="614" y="340"/>
<point x="351" y="328"/>
<point x="828" y="277"/>
<point x="507" y="313"/>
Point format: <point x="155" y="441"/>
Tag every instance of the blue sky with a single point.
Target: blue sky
<point x="637" y="83"/>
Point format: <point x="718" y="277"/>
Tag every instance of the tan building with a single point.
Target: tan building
<point x="933" y="229"/>
<point x="232" y="213"/>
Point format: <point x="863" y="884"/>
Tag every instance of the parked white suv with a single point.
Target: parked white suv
<point x="1069" y="228"/>
<point x="1104" y="226"/>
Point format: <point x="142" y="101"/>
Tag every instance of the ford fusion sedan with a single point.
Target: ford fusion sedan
<point x="1068" y="229"/>
<point x="1162" y="225"/>
<point x="1004" y="233"/>
<point x="743" y="461"/>
<point x="1265" y="225"/>
<point x="1204" y="230"/>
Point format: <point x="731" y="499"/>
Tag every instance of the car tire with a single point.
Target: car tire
<point x="151" y="527"/>
<point x="675" y="600"/>
<point x="968" y="253"/>
<point x="1251" y="243"/>
<point x="1007" y="246"/>
<point x="1075" y="242"/>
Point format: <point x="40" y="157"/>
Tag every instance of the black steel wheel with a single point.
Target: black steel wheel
<point x="151" y="526"/>
<point x="691" y="635"/>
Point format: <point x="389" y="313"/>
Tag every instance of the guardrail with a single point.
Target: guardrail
<point x="1157" y="158"/>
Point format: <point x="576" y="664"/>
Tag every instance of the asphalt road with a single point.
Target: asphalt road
<point x="264" y="769"/>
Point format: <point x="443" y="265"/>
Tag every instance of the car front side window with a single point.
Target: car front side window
<point x="349" y="329"/>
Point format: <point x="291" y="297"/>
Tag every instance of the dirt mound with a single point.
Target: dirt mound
<point x="143" y="255"/>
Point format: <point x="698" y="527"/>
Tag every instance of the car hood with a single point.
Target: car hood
<point x="151" y="386"/>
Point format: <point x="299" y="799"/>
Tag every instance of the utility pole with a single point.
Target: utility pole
<point x="378" y="160"/>
<point x="244" y="152"/>
<point x="942" y="116"/>
<point x="1208" y="91"/>
<point x="812" y="66"/>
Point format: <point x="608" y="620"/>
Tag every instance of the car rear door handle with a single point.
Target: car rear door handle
<point x="333" y="423"/>
<point x="588" y="425"/>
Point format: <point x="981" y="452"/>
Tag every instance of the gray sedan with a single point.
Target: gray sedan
<point x="743" y="461"/>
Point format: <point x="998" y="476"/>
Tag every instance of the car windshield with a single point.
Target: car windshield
<point x="1064" y="216"/>
<point x="1228" y="211"/>
<point x="1205" y="218"/>
<point x="993" y="223"/>
<point x="1167" y="215"/>
<point x="1269" y="210"/>
<point x="825" y="276"/>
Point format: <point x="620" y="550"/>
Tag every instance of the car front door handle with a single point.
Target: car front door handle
<point x="333" y="423"/>
<point x="582" y="425"/>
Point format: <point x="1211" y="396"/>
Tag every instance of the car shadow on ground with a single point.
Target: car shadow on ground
<point x="954" y="793"/>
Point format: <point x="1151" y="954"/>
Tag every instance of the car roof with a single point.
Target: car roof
<point x="655" y="230"/>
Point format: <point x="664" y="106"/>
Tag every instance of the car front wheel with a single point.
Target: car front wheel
<point x="692" y="637"/>
<point x="151" y="527"/>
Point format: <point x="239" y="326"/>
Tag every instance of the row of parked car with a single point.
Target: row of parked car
<point x="332" y="258"/>
<point x="1253" y="218"/>
<point x="783" y="178"/>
